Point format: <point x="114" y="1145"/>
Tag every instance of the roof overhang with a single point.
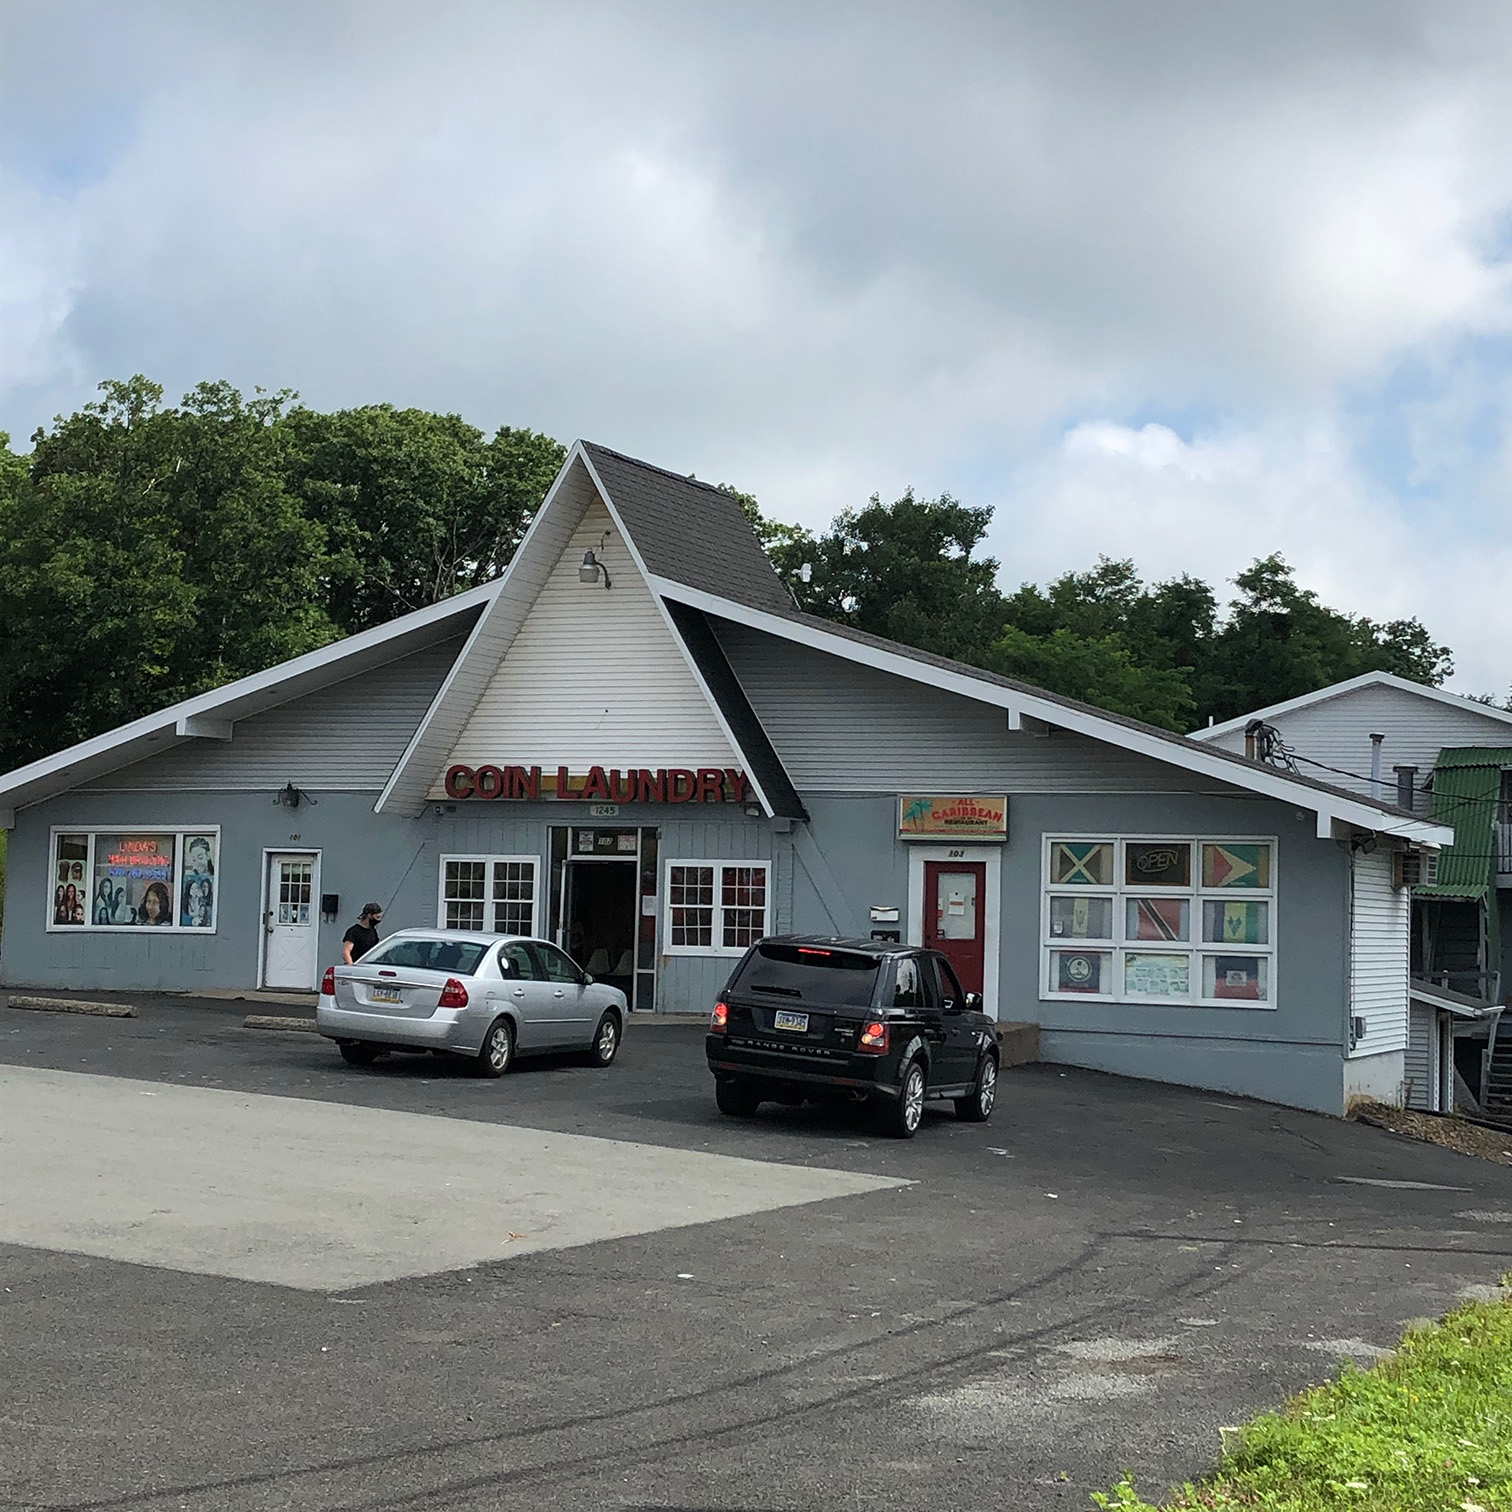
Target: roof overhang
<point x="213" y="715"/>
<point x="1330" y="808"/>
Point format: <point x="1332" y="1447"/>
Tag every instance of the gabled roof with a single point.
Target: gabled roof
<point x="1024" y="701"/>
<point x="213" y="714"/>
<point x="1338" y="689"/>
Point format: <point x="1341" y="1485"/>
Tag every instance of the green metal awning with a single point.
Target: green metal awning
<point x="1467" y="784"/>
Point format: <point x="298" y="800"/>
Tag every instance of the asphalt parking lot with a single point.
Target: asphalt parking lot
<point x="994" y="1316"/>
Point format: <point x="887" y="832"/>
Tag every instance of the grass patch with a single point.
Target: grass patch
<point x="1429" y="1430"/>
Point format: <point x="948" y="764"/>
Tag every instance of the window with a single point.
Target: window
<point x="162" y="878"/>
<point x="517" y="964"/>
<point x="460" y="956"/>
<point x="716" y="907"/>
<point x="557" y="966"/>
<point x="1157" y="919"/>
<point x="492" y="894"/>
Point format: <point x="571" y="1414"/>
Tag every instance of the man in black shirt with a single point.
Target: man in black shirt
<point x="363" y="935"/>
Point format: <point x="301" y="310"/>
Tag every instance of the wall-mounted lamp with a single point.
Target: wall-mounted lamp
<point x="290" y="797"/>
<point x="592" y="567"/>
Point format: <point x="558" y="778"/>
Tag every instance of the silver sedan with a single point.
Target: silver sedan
<point x="486" y="997"/>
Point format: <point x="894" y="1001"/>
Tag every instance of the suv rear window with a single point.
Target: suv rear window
<point x="429" y="955"/>
<point x="810" y="972"/>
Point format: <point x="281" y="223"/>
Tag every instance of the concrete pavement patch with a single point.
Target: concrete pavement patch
<point x="277" y="1021"/>
<point x="326" y="1197"/>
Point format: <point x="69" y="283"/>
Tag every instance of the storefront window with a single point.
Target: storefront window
<point x="148" y="879"/>
<point x="1174" y="920"/>
<point x="496" y="894"/>
<point x="716" y="907"/>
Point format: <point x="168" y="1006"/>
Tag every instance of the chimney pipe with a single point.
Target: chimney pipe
<point x="1406" y="785"/>
<point x="1375" y="768"/>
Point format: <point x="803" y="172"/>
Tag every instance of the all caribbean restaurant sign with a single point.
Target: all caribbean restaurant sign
<point x="941" y="816"/>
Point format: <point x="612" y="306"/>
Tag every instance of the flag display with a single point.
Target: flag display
<point x="1078" y="971"/>
<point x="1081" y="863"/>
<point x="1236" y="865"/>
<point x="1158" y="919"/>
<point x="1236" y="977"/>
<point x="1226" y="922"/>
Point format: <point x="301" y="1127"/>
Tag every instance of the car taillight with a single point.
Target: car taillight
<point x="719" y="1020"/>
<point x="453" y="995"/>
<point x="328" y="982"/>
<point x="873" y="1039"/>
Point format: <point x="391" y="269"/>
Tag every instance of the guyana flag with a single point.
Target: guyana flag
<point x="1236" y="865"/>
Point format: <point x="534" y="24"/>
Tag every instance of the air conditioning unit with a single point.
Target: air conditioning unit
<point x="1414" y="868"/>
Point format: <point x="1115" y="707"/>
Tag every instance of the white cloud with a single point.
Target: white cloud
<point x="818" y="251"/>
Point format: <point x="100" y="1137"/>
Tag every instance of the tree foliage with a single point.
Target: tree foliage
<point x="1165" y="652"/>
<point x="149" y="552"/>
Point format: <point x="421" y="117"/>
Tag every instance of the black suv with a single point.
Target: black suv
<point x="808" y="1019"/>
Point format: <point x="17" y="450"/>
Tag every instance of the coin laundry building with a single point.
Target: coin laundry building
<point x="633" y="743"/>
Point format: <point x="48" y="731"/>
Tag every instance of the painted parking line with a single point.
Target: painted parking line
<point x="323" y="1196"/>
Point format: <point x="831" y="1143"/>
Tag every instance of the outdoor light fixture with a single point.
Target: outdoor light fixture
<point x="592" y="567"/>
<point x="289" y="797"/>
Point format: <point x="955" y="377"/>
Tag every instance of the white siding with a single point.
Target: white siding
<point x="1337" y="732"/>
<point x="346" y="738"/>
<point x="1421" y="1028"/>
<point x="1379" y="919"/>
<point x="594" y="677"/>
<point x="844" y="728"/>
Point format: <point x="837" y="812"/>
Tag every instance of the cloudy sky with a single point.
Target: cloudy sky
<point x="1188" y="283"/>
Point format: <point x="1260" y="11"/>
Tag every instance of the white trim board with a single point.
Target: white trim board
<point x="992" y="906"/>
<point x="1337" y="690"/>
<point x="1188" y="755"/>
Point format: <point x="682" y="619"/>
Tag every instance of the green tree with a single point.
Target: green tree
<point x="414" y="506"/>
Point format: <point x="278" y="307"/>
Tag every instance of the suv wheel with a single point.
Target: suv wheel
<point x="906" y="1112"/>
<point x="976" y="1107"/>
<point x="736" y="1096"/>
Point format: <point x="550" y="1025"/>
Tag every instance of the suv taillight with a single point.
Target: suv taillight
<point x="328" y="982"/>
<point x="453" y="995"/>
<point x="719" y="1020"/>
<point x="873" y="1038"/>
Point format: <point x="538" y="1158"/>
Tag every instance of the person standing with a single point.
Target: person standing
<point x="363" y="935"/>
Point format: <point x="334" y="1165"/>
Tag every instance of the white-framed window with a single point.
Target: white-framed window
<point x="715" y="907"/>
<point x="1171" y="919"/>
<point x="492" y="894"/>
<point x="155" y="877"/>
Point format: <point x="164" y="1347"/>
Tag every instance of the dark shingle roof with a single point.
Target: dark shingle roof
<point x="690" y="532"/>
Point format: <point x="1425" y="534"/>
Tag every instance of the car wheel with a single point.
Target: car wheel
<point x="497" y="1054"/>
<point x="905" y="1113"/>
<point x="736" y="1097"/>
<point x="606" y="1041"/>
<point x="358" y="1052"/>
<point x="977" y="1106"/>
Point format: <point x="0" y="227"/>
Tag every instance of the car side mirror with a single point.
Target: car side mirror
<point x="587" y="979"/>
<point x="974" y="1001"/>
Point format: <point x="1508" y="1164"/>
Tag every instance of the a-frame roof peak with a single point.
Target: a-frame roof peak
<point x="686" y="531"/>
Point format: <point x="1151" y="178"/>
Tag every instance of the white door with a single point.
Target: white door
<point x="289" y="952"/>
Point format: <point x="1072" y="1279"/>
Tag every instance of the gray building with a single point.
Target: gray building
<point x="632" y="742"/>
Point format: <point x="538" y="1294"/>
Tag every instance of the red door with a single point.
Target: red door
<point x="955" y="900"/>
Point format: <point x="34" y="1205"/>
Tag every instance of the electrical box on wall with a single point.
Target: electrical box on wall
<point x="330" y="906"/>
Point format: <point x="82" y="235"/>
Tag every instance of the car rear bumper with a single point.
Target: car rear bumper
<point x="443" y="1030"/>
<point x="853" y="1075"/>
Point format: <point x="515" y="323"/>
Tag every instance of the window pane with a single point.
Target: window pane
<point x="70" y="890"/>
<point x="513" y="897"/>
<point x="1232" y="921"/>
<point x="1157" y="919"/>
<point x="197" y="882"/>
<point x="1087" y="917"/>
<point x="1236" y="866"/>
<point x="1157" y="975"/>
<point x="133" y="879"/>
<point x="1089" y="971"/>
<point x="1158" y="863"/>
<point x="690" y="893"/>
<point x="907" y="989"/>
<point x="1081" y="863"/>
<point x="1242" y="978"/>
<point x="517" y="962"/>
<point x="462" y="889"/>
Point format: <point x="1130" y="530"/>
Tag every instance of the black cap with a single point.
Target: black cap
<point x="372" y="908"/>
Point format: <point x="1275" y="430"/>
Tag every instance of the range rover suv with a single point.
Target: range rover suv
<point x="805" y="1018"/>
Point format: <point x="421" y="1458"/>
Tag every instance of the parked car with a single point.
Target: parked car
<point x="486" y="997"/>
<point x="805" y="1019"/>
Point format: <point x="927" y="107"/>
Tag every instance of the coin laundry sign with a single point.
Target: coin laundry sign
<point x="941" y="817"/>
<point x="601" y="784"/>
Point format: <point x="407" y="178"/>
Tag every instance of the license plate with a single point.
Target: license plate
<point x="786" y="1020"/>
<point x="385" y="995"/>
